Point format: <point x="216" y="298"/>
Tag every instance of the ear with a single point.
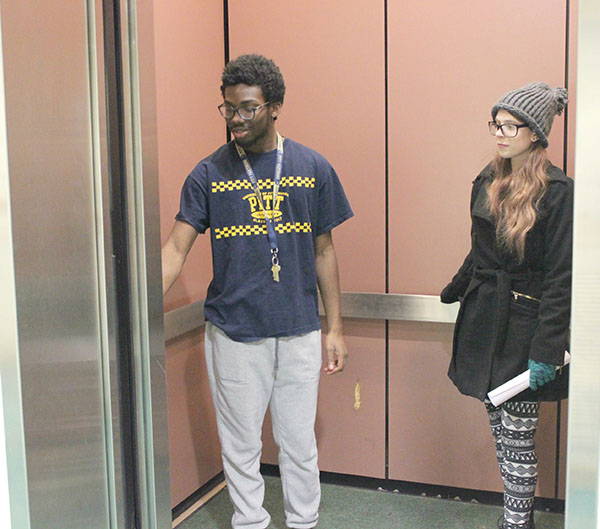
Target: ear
<point x="534" y="137"/>
<point x="275" y="109"/>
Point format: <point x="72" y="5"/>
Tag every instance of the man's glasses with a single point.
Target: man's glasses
<point x="509" y="130"/>
<point x="246" y="113"/>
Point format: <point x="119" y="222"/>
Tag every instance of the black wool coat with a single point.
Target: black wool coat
<point x="512" y="311"/>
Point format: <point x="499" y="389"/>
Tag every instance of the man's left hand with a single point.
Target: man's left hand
<point x="337" y="354"/>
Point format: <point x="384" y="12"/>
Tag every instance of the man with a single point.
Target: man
<point x="270" y="204"/>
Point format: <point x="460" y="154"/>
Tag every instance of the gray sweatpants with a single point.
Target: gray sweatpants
<point x="245" y="378"/>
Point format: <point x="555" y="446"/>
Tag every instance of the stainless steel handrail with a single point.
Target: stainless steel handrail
<point x="364" y="305"/>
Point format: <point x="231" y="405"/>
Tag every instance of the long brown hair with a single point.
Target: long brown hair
<point x="513" y="198"/>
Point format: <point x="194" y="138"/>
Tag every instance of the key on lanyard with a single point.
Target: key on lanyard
<point x="275" y="267"/>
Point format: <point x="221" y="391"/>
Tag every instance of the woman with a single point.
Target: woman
<point x="515" y="286"/>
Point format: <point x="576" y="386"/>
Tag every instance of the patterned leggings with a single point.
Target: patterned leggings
<point x="513" y="426"/>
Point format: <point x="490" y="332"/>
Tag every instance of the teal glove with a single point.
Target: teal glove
<point x="540" y="373"/>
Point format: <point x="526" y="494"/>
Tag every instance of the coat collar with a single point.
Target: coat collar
<point x="554" y="173"/>
<point x="487" y="173"/>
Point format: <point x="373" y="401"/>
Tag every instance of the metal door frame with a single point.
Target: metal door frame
<point x="139" y="83"/>
<point x="583" y="446"/>
<point x="145" y="301"/>
<point x="140" y="182"/>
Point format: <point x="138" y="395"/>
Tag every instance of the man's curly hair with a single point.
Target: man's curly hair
<point x="255" y="70"/>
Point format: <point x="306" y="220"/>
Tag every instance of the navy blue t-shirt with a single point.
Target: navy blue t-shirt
<point x="242" y="299"/>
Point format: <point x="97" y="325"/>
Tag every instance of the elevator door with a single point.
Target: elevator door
<point x="86" y="370"/>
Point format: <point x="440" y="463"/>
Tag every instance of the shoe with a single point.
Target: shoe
<point x="502" y="525"/>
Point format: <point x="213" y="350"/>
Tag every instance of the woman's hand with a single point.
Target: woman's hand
<point x="540" y="373"/>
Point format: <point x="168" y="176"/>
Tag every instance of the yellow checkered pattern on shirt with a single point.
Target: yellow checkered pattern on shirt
<point x="286" y="181"/>
<point x="297" y="181"/>
<point x="261" y="229"/>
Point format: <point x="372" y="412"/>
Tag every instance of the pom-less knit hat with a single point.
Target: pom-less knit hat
<point x="535" y="104"/>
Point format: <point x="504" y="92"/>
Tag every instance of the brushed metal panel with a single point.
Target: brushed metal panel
<point x="583" y="450"/>
<point x="184" y="319"/>
<point x="404" y="307"/>
<point x="48" y="118"/>
<point x="116" y="486"/>
<point x="139" y="82"/>
<point x="4" y="484"/>
<point x="14" y="499"/>
<point x="365" y="305"/>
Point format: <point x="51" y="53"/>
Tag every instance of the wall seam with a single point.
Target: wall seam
<point x="226" y="50"/>
<point x="387" y="244"/>
<point x="567" y="49"/>
<point x="565" y="167"/>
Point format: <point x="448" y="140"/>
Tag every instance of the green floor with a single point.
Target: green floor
<point x="354" y="508"/>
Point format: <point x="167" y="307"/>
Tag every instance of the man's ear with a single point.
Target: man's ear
<point x="275" y="110"/>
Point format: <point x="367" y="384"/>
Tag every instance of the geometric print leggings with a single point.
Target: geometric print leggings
<point x="513" y="427"/>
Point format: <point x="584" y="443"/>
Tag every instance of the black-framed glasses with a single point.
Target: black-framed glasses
<point x="509" y="130"/>
<point x="246" y="113"/>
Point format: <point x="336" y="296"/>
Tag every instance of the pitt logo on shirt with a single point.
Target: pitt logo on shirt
<point x="272" y="210"/>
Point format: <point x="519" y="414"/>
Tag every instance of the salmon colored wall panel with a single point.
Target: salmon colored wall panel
<point x="437" y="435"/>
<point x="562" y="466"/>
<point x="332" y="58"/>
<point x="195" y="453"/>
<point x="448" y="64"/>
<point x="189" y="60"/>
<point x="545" y="443"/>
<point x="350" y="441"/>
<point x="438" y="144"/>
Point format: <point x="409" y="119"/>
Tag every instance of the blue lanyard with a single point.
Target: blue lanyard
<point x="268" y="218"/>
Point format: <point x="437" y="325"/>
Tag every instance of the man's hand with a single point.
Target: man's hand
<point x="337" y="354"/>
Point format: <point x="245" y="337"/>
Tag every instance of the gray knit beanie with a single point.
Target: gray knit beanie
<point x="535" y="104"/>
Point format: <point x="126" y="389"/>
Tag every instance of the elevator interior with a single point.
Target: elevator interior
<point x="375" y="113"/>
<point x="400" y="113"/>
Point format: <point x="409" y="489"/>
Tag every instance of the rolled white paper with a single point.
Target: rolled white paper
<point x="515" y="385"/>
